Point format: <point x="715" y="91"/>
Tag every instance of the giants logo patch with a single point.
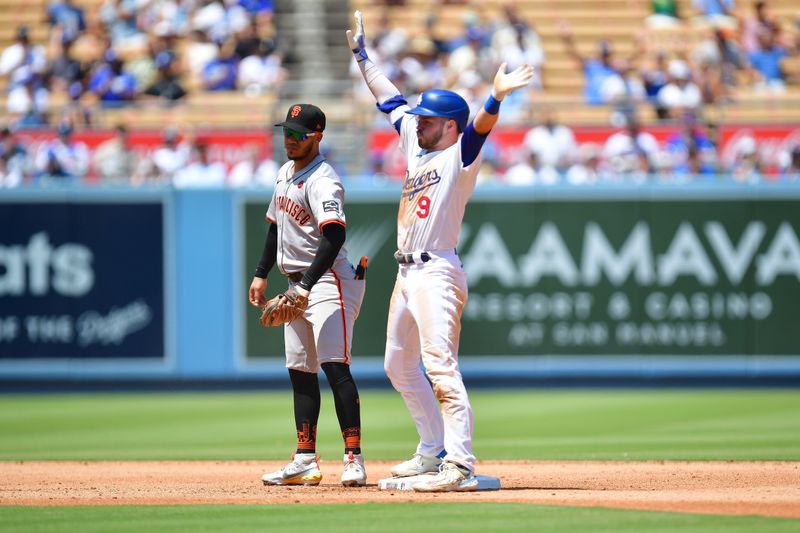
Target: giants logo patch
<point x="330" y="206"/>
<point x="296" y="111"/>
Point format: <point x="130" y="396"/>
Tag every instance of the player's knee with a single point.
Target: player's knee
<point x="393" y="368"/>
<point x="337" y="373"/>
<point x="401" y="375"/>
<point x="303" y="381"/>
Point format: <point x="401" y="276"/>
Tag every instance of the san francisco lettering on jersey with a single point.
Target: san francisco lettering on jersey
<point x="293" y="209"/>
<point x="420" y="182"/>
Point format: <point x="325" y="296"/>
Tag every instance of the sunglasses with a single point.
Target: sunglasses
<point x="296" y="135"/>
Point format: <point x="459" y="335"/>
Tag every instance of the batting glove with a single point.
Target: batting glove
<point x="357" y="41"/>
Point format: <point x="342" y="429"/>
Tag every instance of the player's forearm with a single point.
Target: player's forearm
<point x="379" y="85"/>
<point x="270" y="253"/>
<point x="487" y="116"/>
<point x="333" y="237"/>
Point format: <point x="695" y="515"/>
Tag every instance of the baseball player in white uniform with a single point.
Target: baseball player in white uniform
<point x="443" y="155"/>
<point x="305" y="239"/>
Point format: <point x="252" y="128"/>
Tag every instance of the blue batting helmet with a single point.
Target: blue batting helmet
<point x="441" y="103"/>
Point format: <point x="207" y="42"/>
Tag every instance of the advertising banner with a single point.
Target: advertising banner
<point x="574" y="277"/>
<point x="81" y="281"/>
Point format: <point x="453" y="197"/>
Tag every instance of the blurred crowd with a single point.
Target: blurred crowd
<point x="162" y="50"/>
<point x="679" y="62"/>
<point x="686" y="151"/>
<point x="181" y="160"/>
<point x="138" y="50"/>
<point x="548" y="154"/>
<point x="668" y="78"/>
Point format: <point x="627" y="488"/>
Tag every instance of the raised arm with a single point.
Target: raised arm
<point x="380" y="86"/>
<point x="504" y="84"/>
<point x="565" y="33"/>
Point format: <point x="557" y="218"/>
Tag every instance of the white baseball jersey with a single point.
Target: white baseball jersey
<point x="435" y="192"/>
<point x="302" y="204"/>
<point x="424" y="321"/>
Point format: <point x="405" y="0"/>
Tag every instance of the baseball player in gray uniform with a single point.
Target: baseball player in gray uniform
<point x="443" y="154"/>
<point x="305" y="239"/>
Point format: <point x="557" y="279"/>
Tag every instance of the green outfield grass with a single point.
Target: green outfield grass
<point x="557" y="424"/>
<point x="377" y="518"/>
<point x="552" y="424"/>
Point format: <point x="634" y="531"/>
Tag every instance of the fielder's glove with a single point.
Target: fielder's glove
<point x="284" y="308"/>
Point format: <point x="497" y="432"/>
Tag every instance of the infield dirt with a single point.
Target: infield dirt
<point x="727" y="488"/>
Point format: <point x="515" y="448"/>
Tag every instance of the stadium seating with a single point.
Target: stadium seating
<point x="618" y="21"/>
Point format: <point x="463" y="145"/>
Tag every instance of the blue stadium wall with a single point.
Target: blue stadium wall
<point x="597" y="285"/>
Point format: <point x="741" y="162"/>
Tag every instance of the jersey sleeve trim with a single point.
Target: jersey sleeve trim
<point x="333" y="221"/>
<point x="270" y="220"/>
<point x="390" y="104"/>
<point x="471" y="144"/>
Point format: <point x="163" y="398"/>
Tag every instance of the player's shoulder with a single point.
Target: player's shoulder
<point x="284" y="172"/>
<point x="325" y="173"/>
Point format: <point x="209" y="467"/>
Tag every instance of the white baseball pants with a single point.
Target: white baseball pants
<point x="425" y="324"/>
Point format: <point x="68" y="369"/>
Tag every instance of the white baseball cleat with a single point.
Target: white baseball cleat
<point x="303" y="470"/>
<point x="354" y="475"/>
<point x="418" y="464"/>
<point x="451" y="478"/>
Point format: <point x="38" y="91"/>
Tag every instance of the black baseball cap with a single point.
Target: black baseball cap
<point x="304" y="118"/>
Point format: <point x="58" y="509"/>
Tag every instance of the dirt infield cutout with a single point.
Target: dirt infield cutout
<point x="714" y="487"/>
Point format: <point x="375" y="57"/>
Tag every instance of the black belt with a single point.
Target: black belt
<point x="295" y="277"/>
<point x="408" y="259"/>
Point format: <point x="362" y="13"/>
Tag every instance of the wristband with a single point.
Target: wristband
<point x="492" y="105"/>
<point x="260" y="272"/>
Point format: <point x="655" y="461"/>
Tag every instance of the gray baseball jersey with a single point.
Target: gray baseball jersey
<point x="302" y="204"/>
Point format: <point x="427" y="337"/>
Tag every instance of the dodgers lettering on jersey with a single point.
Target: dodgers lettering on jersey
<point x="435" y="192"/>
<point x="302" y="204"/>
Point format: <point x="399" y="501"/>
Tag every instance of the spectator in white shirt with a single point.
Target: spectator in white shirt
<point x="14" y="160"/>
<point x="253" y="170"/>
<point x="200" y="51"/>
<point x="22" y="54"/>
<point x="531" y="172"/>
<point x="681" y="95"/>
<point x="201" y="172"/>
<point x="631" y="153"/>
<point x="553" y="143"/>
<point x="518" y="43"/>
<point x="62" y="158"/>
<point x="166" y="160"/>
<point x="220" y="20"/>
<point x="28" y="103"/>
<point x="623" y="90"/>
<point x="261" y="72"/>
<point x="115" y="160"/>
<point x="588" y="170"/>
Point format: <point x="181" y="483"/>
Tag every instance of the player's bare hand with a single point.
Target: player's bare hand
<point x="357" y="41"/>
<point x="507" y="82"/>
<point x="257" y="292"/>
